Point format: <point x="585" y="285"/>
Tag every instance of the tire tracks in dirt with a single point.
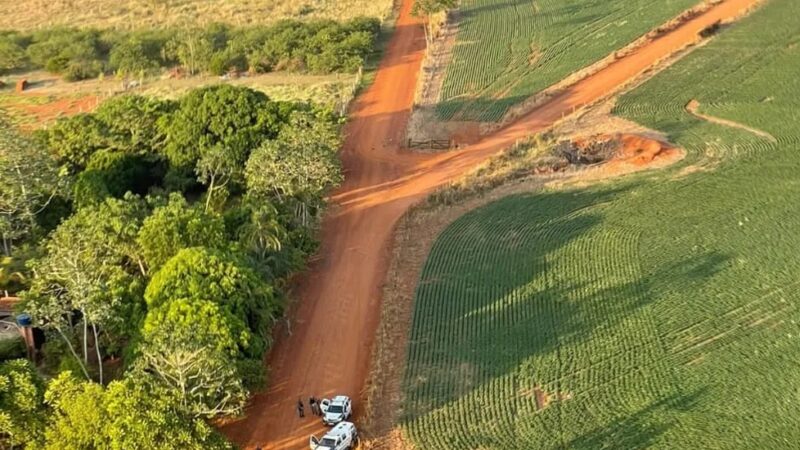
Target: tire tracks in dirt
<point x="337" y="303"/>
<point x="693" y="108"/>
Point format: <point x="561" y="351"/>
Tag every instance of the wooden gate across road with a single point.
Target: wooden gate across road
<point x="432" y="144"/>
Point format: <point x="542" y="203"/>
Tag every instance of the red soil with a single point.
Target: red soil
<point x="64" y="107"/>
<point x="338" y="299"/>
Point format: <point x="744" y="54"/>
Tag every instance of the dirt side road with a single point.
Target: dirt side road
<point x="338" y="299"/>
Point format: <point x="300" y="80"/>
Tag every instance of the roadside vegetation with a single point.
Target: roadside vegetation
<point x="656" y="311"/>
<point x="505" y="52"/>
<point x="152" y="241"/>
<point x="76" y="54"/>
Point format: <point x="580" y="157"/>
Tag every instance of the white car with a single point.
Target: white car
<point x="341" y="437"/>
<point x="336" y="410"/>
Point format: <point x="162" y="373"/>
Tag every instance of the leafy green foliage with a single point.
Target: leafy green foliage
<point x="201" y="273"/>
<point x="12" y="51"/>
<point x="30" y="181"/>
<point x="177" y="225"/>
<point x="91" y="266"/>
<point x="131" y="122"/>
<point x="110" y="173"/>
<point x="138" y="53"/>
<point x="190" y="347"/>
<point x="75" y="139"/>
<point x="76" y="54"/>
<point x="22" y="415"/>
<point x="197" y="334"/>
<point x="301" y="164"/>
<point x="225" y="116"/>
<point x="12" y="348"/>
<point x="124" y="415"/>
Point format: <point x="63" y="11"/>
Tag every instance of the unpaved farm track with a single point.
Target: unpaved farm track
<point x="338" y="299"/>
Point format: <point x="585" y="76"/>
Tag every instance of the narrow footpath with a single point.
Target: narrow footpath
<point x="326" y="351"/>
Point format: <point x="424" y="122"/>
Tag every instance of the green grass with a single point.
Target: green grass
<point x="508" y="50"/>
<point x="661" y="310"/>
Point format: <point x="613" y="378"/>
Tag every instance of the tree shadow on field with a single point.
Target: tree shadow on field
<point x="489" y="297"/>
<point x="641" y="429"/>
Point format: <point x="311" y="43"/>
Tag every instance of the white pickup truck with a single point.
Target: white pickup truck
<point x="336" y="410"/>
<point x="341" y="437"/>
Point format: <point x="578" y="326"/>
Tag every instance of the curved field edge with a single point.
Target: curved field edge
<point x="659" y="313"/>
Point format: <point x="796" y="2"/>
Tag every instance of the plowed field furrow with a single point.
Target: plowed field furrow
<point x="659" y="311"/>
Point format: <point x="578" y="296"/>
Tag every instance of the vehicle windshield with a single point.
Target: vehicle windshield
<point x="335" y="409"/>
<point x="328" y="442"/>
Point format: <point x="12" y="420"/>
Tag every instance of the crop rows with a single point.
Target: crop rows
<point x="507" y="51"/>
<point x="662" y="311"/>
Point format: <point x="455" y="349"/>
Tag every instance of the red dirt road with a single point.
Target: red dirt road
<point x="338" y="299"/>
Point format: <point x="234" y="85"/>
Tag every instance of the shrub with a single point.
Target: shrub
<point x="12" y="348"/>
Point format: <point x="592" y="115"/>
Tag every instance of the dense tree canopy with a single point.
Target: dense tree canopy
<point x="30" y="181"/>
<point x="191" y="347"/>
<point x="181" y="280"/>
<point x="125" y="415"/>
<point x="314" y="46"/>
<point x="221" y="120"/>
<point x="177" y="225"/>
<point x="22" y="417"/>
<point x="90" y="267"/>
<point x="300" y="164"/>
<point x="224" y="277"/>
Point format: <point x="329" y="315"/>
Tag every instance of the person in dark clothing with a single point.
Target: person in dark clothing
<point x="312" y="402"/>
<point x="300" y="412"/>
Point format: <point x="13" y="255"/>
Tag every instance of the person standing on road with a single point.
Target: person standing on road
<point x="312" y="402"/>
<point x="300" y="412"/>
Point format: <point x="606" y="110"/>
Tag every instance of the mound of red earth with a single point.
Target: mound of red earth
<point x="616" y="148"/>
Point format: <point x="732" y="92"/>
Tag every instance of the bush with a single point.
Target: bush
<point x="111" y="173"/>
<point x="318" y="46"/>
<point x="138" y="53"/>
<point x="12" y="348"/>
<point x="12" y="51"/>
<point x="75" y="54"/>
<point x="75" y="139"/>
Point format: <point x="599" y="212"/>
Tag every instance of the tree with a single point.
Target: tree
<point x="126" y="415"/>
<point x="301" y="164"/>
<point x="30" y="181"/>
<point x="177" y="225"/>
<point x="75" y="139"/>
<point x="137" y="53"/>
<point x="112" y="173"/>
<point x="78" y="416"/>
<point x="202" y="273"/>
<point x="131" y="122"/>
<point x="190" y="347"/>
<point x="427" y="9"/>
<point x="90" y="268"/>
<point x="218" y="123"/>
<point x="216" y="167"/>
<point x="192" y="48"/>
<point x="22" y="412"/>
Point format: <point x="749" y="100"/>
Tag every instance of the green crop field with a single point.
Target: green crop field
<point x="661" y="310"/>
<point x="506" y="51"/>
